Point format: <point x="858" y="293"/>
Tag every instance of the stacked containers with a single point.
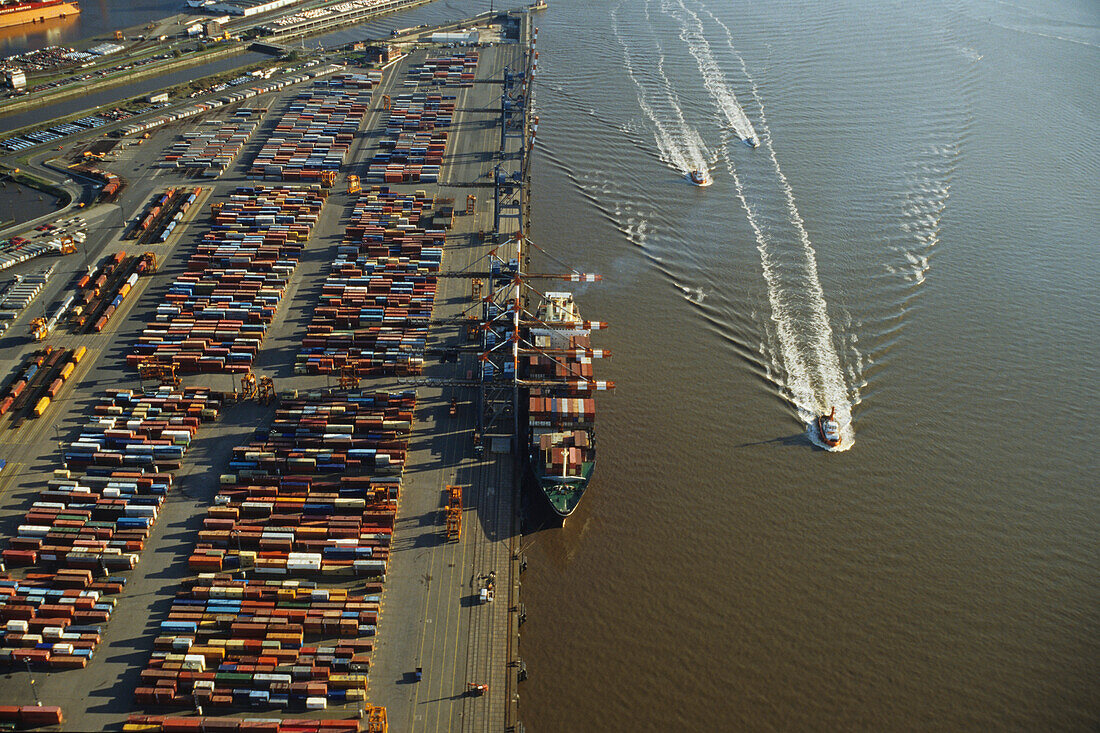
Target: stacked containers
<point x="102" y="292"/>
<point x="215" y="315"/>
<point x="414" y="143"/>
<point x="52" y="619"/>
<point x="169" y="724"/>
<point x="212" y="150"/>
<point x="312" y="504"/>
<point x="458" y="69"/>
<point x="313" y="135"/>
<point x="244" y="642"/>
<point x="94" y="517"/>
<point x="379" y="294"/>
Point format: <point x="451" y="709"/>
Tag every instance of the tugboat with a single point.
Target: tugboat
<point x="700" y="177"/>
<point x="828" y="429"/>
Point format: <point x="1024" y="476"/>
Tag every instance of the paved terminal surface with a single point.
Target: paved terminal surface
<point x="431" y="616"/>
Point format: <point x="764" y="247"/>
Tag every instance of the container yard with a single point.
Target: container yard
<point x="216" y="313"/>
<point x="213" y="148"/>
<point x="311" y="140"/>
<point x="238" y="491"/>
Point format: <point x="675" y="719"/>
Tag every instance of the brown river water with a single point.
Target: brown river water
<point x="913" y="241"/>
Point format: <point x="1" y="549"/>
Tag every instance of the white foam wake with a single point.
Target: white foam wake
<point x="925" y="201"/>
<point x="680" y="145"/>
<point x="691" y="32"/>
<point x="814" y="378"/>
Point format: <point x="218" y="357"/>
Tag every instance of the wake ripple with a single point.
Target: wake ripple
<point x="815" y="381"/>
<point x="680" y="145"/>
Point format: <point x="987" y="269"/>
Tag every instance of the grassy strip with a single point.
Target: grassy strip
<point x="177" y="93"/>
<point x="121" y="78"/>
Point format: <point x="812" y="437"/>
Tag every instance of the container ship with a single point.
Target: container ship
<point x="561" y="408"/>
<point x="21" y="13"/>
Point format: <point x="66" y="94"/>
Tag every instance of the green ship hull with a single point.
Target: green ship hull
<point x="564" y="494"/>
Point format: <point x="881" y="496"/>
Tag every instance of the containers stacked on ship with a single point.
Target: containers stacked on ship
<point x="561" y="409"/>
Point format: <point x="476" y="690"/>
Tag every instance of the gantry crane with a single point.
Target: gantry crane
<point x="454" y="512"/>
<point x="328" y="179"/>
<point x="248" y="386"/>
<point x="38" y="329"/>
<point x="513" y="332"/>
<point x="159" y="371"/>
<point x="266" y="391"/>
<point x="353" y="184"/>
<point x="376" y="720"/>
<point x="349" y="378"/>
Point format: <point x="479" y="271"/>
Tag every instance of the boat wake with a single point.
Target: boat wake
<point x="691" y="33"/>
<point x="925" y="201"/>
<point x="813" y="379"/>
<point x="680" y="145"/>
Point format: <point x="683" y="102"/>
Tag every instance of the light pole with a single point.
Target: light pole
<point x="34" y="690"/>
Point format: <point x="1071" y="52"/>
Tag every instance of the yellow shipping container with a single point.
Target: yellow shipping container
<point x="41" y="406"/>
<point x="79" y="354"/>
<point x="67" y="370"/>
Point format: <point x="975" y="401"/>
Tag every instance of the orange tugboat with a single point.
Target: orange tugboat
<point x="20" y="13"/>
<point x="828" y="429"/>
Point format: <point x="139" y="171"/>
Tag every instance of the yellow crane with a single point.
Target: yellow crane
<point x="38" y="329"/>
<point x="376" y="720"/>
<point x="348" y="377"/>
<point x="159" y="371"/>
<point x="248" y="386"/>
<point x="266" y="391"/>
<point x="353" y="184"/>
<point x="454" y="512"/>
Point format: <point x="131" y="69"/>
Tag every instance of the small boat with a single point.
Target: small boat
<point x="751" y="142"/>
<point x="700" y="177"/>
<point x="828" y="429"/>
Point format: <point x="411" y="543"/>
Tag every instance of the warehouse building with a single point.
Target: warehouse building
<point x="249" y="7"/>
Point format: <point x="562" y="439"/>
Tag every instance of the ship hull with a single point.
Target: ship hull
<point x="564" y="497"/>
<point x="29" y="13"/>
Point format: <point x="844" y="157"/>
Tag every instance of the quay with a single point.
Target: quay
<point x="431" y="616"/>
